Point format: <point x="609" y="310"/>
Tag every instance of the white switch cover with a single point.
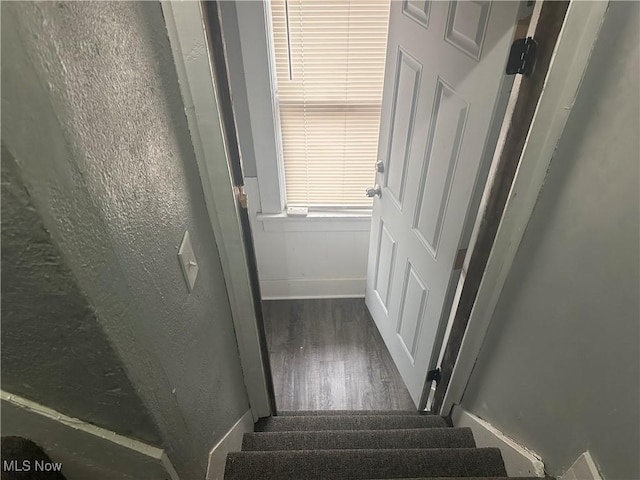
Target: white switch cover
<point x="188" y="261"/>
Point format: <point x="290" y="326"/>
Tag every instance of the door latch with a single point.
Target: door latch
<point x="374" y="192"/>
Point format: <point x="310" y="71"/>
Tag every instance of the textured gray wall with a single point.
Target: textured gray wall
<point x="53" y="349"/>
<point x="560" y="367"/>
<point x="92" y="113"/>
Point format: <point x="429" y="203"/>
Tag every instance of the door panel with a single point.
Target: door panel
<point x="445" y="64"/>
<point x="414" y="300"/>
<point x="467" y="25"/>
<point x="407" y="85"/>
<point x="448" y="121"/>
<point x="417" y="10"/>
<point x="385" y="263"/>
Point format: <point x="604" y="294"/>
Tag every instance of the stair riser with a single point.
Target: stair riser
<point x="324" y="413"/>
<point x="360" y="439"/>
<point x="349" y="422"/>
<point x="363" y="464"/>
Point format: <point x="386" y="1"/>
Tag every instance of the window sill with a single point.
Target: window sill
<point x="318" y="221"/>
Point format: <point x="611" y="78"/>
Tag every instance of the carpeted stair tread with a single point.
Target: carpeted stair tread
<point x="309" y="413"/>
<point x="467" y="478"/>
<point x="348" y="422"/>
<point x="364" y="464"/>
<point x="359" y="439"/>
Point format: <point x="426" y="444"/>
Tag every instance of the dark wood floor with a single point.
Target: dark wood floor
<point x="328" y="355"/>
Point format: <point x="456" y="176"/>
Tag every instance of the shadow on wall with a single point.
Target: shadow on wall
<point x="560" y="367"/>
<point x="54" y="351"/>
<point x="92" y="112"/>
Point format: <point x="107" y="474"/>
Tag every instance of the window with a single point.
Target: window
<point x="330" y="58"/>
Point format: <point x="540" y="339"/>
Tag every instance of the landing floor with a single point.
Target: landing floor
<point x="328" y="355"/>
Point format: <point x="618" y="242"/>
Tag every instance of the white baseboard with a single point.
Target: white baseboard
<point x="85" y="451"/>
<point x="584" y="468"/>
<point x="313" y="288"/>
<point x="231" y="442"/>
<point x="518" y="460"/>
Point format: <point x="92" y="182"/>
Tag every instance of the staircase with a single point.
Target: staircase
<point x="364" y="445"/>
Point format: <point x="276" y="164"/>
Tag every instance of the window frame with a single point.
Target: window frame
<point x="258" y="59"/>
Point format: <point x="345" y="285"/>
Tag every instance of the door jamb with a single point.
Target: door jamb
<point x="220" y="71"/>
<point x="188" y="39"/>
<point x="568" y="64"/>
<point x="499" y="117"/>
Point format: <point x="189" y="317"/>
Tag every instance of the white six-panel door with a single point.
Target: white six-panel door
<point x="445" y="64"/>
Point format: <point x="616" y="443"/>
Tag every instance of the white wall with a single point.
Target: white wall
<point x="559" y="370"/>
<point x="297" y="258"/>
<point x="308" y="257"/>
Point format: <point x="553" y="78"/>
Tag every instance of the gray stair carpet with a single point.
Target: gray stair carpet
<point x="365" y="464"/>
<point x="284" y="423"/>
<point x="357" y="439"/>
<point x="361" y="445"/>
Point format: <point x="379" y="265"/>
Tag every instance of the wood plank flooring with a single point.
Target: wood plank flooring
<point x="328" y="355"/>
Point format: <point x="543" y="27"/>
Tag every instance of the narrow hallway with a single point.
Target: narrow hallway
<point x="327" y="354"/>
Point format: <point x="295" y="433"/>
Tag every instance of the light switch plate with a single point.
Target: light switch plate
<point x="188" y="261"/>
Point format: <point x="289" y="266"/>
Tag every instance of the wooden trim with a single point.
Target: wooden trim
<point x="214" y="32"/>
<point x="584" y="468"/>
<point x="185" y="27"/>
<point x="542" y="104"/>
<point x="546" y="33"/>
<point x="519" y="461"/>
<point x="231" y="442"/>
<point x="85" y="450"/>
<point x="258" y="59"/>
<point x="297" y="288"/>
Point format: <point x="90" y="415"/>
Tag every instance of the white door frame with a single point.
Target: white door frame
<point x="187" y="35"/>
<point x="568" y="64"/>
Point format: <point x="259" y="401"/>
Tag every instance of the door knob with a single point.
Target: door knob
<point x="375" y="191"/>
<point x="380" y="167"/>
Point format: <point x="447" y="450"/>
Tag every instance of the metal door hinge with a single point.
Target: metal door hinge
<point x="434" y="376"/>
<point x="241" y="196"/>
<point x="522" y="56"/>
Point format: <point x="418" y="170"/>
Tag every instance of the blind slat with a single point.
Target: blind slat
<point x="330" y="106"/>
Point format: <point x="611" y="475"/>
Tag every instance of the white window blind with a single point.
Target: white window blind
<point x="330" y="58"/>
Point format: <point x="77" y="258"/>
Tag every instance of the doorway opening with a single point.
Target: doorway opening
<point x="441" y="130"/>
